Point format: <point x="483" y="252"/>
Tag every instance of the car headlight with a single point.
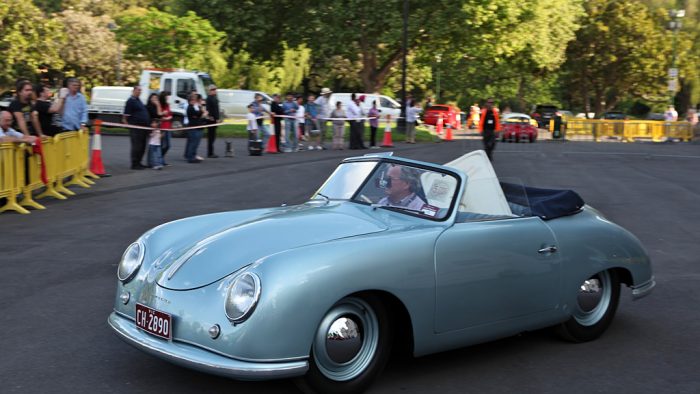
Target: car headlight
<point x="131" y="261"/>
<point x="242" y="297"/>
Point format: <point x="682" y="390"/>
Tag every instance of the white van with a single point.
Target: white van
<point x="385" y="104"/>
<point x="234" y="102"/>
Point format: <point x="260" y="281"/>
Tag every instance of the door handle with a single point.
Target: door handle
<point x="548" y="249"/>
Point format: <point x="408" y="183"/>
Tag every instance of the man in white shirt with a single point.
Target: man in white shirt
<point x="325" y="106"/>
<point x="354" y="114"/>
<point x="400" y="184"/>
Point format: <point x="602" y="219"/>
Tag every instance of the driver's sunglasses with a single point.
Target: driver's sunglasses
<point x="385" y="182"/>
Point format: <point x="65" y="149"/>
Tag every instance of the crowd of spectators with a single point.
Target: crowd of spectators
<point x="33" y="112"/>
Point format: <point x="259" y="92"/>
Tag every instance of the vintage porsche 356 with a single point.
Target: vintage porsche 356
<point x="389" y="254"/>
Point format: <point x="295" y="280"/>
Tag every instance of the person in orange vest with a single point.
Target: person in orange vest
<point x="489" y="125"/>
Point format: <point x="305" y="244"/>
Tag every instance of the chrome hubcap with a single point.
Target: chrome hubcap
<point x="346" y="341"/>
<point x="593" y="299"/>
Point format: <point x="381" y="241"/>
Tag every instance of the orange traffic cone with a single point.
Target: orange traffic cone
<point x="448" y="134"/>
<point x="272" y="145"/>
<point x="438" y="127"/>
<point x="96" y="166"/>
<point x="387" y="134"/>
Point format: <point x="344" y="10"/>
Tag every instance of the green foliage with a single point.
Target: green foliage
<point x="168" y="40"/>
<point x="90" y="50"/>
<point x="620" y="50"/>
<point x="27" y="41"/>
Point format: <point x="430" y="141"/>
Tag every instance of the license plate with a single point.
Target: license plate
<point x="154" y="322"/>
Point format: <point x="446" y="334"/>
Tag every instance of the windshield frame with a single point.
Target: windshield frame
<point x="380" y="161"/>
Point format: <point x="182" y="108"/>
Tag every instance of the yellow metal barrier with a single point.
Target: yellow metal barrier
<point x="52" y="159"/>
<point x="65" y="155"/>
<point x="629" y="130"/>
<point x="32" y="181"/>
<point x="11" y="174"/>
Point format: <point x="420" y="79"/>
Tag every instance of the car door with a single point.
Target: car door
<point x="493" y="271"/>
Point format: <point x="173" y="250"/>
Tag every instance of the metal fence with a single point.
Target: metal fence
<point x="630" y="130"/>
<point x="64" y="161"/>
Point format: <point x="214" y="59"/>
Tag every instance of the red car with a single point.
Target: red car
<point x="450" y="115"/>
<point x="517" y="127"/>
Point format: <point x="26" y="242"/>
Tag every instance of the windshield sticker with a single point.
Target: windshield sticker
<point x="429" y="210"/>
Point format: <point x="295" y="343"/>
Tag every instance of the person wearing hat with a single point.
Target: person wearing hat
<point x="324" y="105"/>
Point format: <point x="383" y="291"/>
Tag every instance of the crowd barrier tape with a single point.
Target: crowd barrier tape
<point x="204" y="126"/>
<point x="630" y="130"/>
<point x="64" y="156"/>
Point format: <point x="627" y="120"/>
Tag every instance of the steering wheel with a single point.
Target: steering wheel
<point x="365" y="199"/>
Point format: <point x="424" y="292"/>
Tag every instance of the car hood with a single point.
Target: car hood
<point x="208" y="258"/>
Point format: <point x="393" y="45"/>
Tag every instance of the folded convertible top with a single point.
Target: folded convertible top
<point x="545" y="203"/>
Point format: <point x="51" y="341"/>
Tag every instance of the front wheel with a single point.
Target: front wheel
<point x="351" y="347"/>
<point x="595" y="308"/>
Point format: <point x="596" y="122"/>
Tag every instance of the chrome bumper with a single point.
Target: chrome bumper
<point x="195" y="358"/>
<point x="643" y="289"/>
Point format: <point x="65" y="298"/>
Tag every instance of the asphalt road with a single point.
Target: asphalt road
<point x="57" y="273"/>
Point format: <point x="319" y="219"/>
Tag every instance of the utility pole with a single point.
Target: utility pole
<point x="113" y="27"/>
<point x="438" y="59"/>
<point x="674" y="25"/>
<point x="401" y="122"/>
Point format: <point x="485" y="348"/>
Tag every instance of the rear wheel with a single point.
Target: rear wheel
<point x="595" y="308"/>
<point x="351" y="347"/>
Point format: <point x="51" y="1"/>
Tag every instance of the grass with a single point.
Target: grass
<point x="239" y="131"/>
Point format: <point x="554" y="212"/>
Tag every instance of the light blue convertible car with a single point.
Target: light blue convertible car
<point x="390" y="254"/>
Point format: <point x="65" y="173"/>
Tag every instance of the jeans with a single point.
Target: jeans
<point x="155" y="157"/>
<point x="290" y="128"/>
<point x="165" y="143"/>
<point x="193" y="139"/>
<point x="264" y="134"/>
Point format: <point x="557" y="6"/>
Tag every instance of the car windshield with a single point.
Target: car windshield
<point x="395" y="186"/>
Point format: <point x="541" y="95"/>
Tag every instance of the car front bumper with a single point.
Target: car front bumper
<point x="193" y="357"/>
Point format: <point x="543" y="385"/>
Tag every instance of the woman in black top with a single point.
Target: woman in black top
<point x="197" y="115"/>
<point x="153" y="109"/>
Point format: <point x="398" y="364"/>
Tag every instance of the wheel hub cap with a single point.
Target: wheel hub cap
<point x="343" y="340"/>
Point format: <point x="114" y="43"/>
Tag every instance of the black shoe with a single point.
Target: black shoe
<point x="195" y="161"/>
<point x="137" y="167"/>
<point x="213" y="156"/>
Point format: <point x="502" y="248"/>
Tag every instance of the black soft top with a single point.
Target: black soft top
<point x="545" y="203"/>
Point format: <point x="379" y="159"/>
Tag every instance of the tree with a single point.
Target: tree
<point x="168" y="40"/>
<point x="620" y="50"/>
<point x="29" y="41"/>
<point x="90" y="51"/>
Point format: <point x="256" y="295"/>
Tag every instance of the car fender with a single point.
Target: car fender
<point x="299" y="286"/>
<point x="589" y="243"/>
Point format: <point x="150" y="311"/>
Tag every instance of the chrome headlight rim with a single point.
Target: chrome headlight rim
<point x="255" y="298"/>
<point x="139" y="260"/>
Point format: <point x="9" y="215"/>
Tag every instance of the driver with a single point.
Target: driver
<point x="400" y="183"/>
